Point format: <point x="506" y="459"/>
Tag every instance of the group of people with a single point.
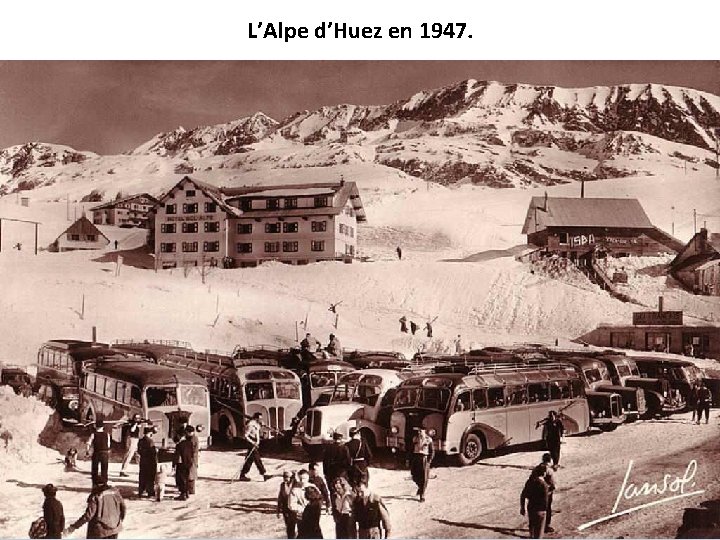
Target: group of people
<point x="309" y="346"/>
<point x="536" y="497"/>
<point x="700" y="401"/>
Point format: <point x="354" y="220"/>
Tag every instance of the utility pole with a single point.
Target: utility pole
<point x="673" y="220"/>
<point x="694" y="221"/>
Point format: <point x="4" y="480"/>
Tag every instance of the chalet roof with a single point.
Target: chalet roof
<point x="213" y="192"/>
<point x="343" y="192"/>
<point x="113" y="204"/>
<point x="83" y="226"/>
<point x="584" y="212"/>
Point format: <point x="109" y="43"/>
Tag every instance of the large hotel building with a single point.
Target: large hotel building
<point x="198" y="224"/>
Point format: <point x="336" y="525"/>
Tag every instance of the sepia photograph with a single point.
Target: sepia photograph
<point x="360" y="299"/>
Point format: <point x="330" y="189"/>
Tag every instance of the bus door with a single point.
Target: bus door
<point x="538" y="406"/>
<point x="489" y="409"/>
<point x="516" y="408"/>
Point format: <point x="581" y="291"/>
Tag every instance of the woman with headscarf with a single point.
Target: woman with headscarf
<point x="342" y="501"/>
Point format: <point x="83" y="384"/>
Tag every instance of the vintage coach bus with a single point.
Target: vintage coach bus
<point x="469" y="414"/>
<point x="115" y="389"/>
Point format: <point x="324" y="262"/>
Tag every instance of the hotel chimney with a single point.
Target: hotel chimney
<point x="660" y="304"/>
<point x="582" y="188"/>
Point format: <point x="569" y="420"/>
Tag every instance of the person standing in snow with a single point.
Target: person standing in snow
<point x="360" y="457"/>
<point x="334" y="348"/>
<point x="458" y="345"/>
<point x="99" y="445"/>
<point x="429" y="329"/>
<point x="536" y="493"/>
<point x="552" y="434"/>
<point x="420" y="460"/>
<point x="283" y="508"/>
<point x="133" y="428"/>
<point x="403" y="324"/>
<point x="413" y="327"/>
<point x="53" y="512"/>
<point x="398" y="250"/>
<point x="704" y="398"/>
<point x="148" y="463"/>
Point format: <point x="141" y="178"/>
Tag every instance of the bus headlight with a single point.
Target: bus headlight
<point x="301" y="428"/>
<point x="73" y="405"/>
<point x="394" y="430"/>
<point x="432" y="432"/>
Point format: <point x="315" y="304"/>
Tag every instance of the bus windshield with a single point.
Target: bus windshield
<point x="424" y="398"/>
<point x="322" y="379"/>
<point x="193" y="395"/>
<point x="165" y="396"/>
<point x="259" y="390"/>
<point x="367" y="394"/>
<point x="287" y="390"/>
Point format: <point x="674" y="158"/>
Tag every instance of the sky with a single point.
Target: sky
<point x="112" y="107"/>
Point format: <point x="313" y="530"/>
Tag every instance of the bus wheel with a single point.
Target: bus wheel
<point x="608" y="427"/>
<point x="472" y="449"/>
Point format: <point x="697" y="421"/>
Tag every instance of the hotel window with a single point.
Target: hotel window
<point x="319" y="226"/>
<point x="212" y="226"/>
<point x="244" y="247"/>
<point x="341" y="228"/>
<point x="245" y="204"/>
<point x="190" y="247"/>
<point x="290" y="227"/>
<point x="167" y="247"/>
<point x="190" y="208"/>
<point x="290" y="246"/>
<point x="75" y="237"/>
<point x="291" y="202"/>
<point x="167" y="228"/>
<point x="272" y="247"/>
<point x="171" y="208"/>
<point x="272" y="227"/>
<point x="321" y="202"/>
<point x="244" y="228"/>
<point x="191" y="227"/>
<point x="563" y="237"/>
<point x="317" y="245"/>
<point x="91" y="237"/>
<point x="272" y="204"/>
<point x="210" y="207"/>
<point x="349" y="249"/>
<point x="211" y="246"/>
<point x="190" y="193"/>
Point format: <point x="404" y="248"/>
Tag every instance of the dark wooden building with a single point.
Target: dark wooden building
<point x="696" y="264"/>
<point x="579" y="228"/>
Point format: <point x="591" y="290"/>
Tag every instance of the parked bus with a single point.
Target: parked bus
<point x="376" y="359"/>
<point x="362" y="399"/>
<point x="115" y="389"/>
<point x="241" y="387"/>
<point x="498" y="406"/>
<point x="624" y="371"/>
<point x="681" y="375"/>
<point x="59" y="367"/>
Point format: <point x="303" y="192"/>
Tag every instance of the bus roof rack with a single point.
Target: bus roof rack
<point x="166" y="342"/>
<point x="517" y="367"/>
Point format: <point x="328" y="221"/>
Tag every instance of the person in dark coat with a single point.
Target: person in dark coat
<point x="53" y="512"/>
<point x="553" y="431"/>
<point x="429" y="329"/>
<point x="99" y="445"/>
<point x="704" y="399"/>
<point x="309" y="526"/>
<point x="317" y="480"/>
<point x="336" y="460"/>
<point x="104" y="514"/>
<point x="360" y="458"/>
<point x="549" y="477"/>
<point x="195" y="444"/>
<point x="536" y="493"/>
<point x="403" y="324"/>
<point x="283" y="506"/>
<point x="693" y="399"/>
<point x="148" y="463"/>
<point x="398" y="250"/>
<point x="184" y="463"/>
<point x="413" y="327"/>
<point x="420" y="460"/>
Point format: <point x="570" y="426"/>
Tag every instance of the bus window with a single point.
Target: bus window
<point x="321" y="379"/>
<point x="287" y="390"/>
<point x="593" y="375"/>
<point x="120" y="392"/>
<point x="538" y="392"/>
<point x="434" y="398"/>
<point x="193" y="395"/>
<point x="109" y="389"/>
<point x="516" y="394"/>
<point x="479" y="399"/>
<point x="406" y="397"/>
<point x="634" y="370"/>
<point x="135" y="396"/>
<point x="578" y="388"/>
<point x="367" y="394"/>
<point x="90" y="382"/>
<point x="256" y="391"/>
<point x="496" y="397"/>
<point x="623" y="370"/>
<point x="99" y="385"/>
<point x="161" y="397"/>
<point x="462" y="403"/>
<point x="559" y="390"/>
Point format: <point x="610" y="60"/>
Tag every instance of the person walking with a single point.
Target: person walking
<point x="53" y="512"/>
<point x="370" y="515"/>
<point x="704" y="399"/>
<point x="360" y="456"/>
<point x="283" y="507"/>
<point x="343" y="498"/>
<point x="336" y="460"/>
<point x="104" y="514"/>
<point x="309" y="526"/>
<point x="420" y="460"/>
<point x="549" y="477"/>
<point x="99" y="446"/>
<point x="552" y="434"/>
<point x="334" y="348"/>
<point x="693" y="399"/>
<point x="148" y="463"/>
<point x="403" y="324"/>
<point x="536" y="494"/>
<point x="133" y="429"/>
<point x="184" y="463"/>
<point x="298" y="501"/>
<point x="317" y="480"/>
<point x="252" y="439"/>
<point x="195" y="445"/>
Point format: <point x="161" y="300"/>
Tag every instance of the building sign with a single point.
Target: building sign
<point x="620" y="241"/>
<point x="190" y="217"/>
<point x="582" y="240"/>
<point x="658" y="317"/>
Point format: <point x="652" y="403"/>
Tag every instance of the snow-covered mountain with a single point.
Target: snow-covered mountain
<point x="481" y="132"/>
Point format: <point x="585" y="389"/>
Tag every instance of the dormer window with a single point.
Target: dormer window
<point x="245" y="205"/>
<point x="190" y="193"/>
<point x="291" y="202"/>
<point x="321" y="201"/>
<point x="272" y="204"/>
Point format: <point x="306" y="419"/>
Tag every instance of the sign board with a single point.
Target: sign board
<point x="190" y="217"/>
<point x="658" y="317"/>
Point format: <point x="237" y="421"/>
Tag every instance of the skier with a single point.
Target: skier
<point x="399" y="252"/>
<point x="413" y="327"/>
<point x="252" y="436"/>
<point x="429" y="329"/>
<point x="403" y="324"/>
